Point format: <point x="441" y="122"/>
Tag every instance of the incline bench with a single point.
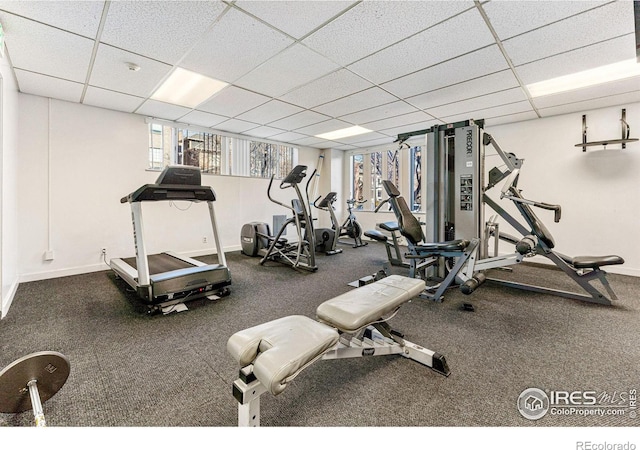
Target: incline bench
<point x="350" y="325"/>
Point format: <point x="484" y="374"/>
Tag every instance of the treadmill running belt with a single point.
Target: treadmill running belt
<point x="160" y="263"/>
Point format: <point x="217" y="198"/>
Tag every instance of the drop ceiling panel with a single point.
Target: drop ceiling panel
<point x="454" y="37"/>
<point x="111" y="100"/>
<point x="602" y="90"/>
<point x="324" y="127"/>
<point x="81" y="17"/>
<point x="510" y="118"/>
<point x="203" y="119"/>
<point x="606" y="22"/>
<point x="485" y="101"/>
<point x="293" y="67"/>
<point x="585" y="58"/>
<point x="372" y="143"/>
<point x="467" y="89"/>
<point x="295" y="18"/>
<point x="476" y="64"/>
<point x="46" y="50"/>
<point x="161" y="110"/>
<point x="371" y="26"/>
<point x="603" y="102"/>
<point x="265" y="132"/>
<point x="289" y="136"/>
<point x="310" y="141"/>
<point x="488" y="113"/>
<point x="379" y="112"/>
<point x="232" y="101"/>
<point x="400" y="121"/>
<point x="270" y="112"/>
<point x="160" y="30"/>
<point x="110" y="71"/>
<point x="36" y="84"/>
<point x="326" y="89"/>
<point x="299" y="120"/>
<point x="511" y="18"/>
<point x="356" y="102"/>
<point x="235" y="45"/>
<point x="395" y="131"/>
<point x="236" y="126"/>
<point x="361" y="138"/>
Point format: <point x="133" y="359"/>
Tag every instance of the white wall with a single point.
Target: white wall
<point x="75" y="164"/>
<point x="8" y="191"/>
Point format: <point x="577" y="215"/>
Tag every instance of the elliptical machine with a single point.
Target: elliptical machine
<point x="256" y="239"/>
<point x="351" y="227"/>
<point x="327" y="238"/>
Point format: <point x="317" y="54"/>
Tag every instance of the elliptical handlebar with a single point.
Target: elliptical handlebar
<point x="380" y="205"/>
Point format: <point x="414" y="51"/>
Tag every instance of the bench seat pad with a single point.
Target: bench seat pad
<point x="367" y="304"/>
<point x="281" y="348"/>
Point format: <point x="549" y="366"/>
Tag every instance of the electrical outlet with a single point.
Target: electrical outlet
<point x="104" y="251"/>
<point x="204" y="240"/>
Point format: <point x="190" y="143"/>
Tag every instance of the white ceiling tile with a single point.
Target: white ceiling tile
<point x="289" y="136"/>
<point x="477" y="103"/>
<point x="110" y="71"/>
<point x="236" y="126"/>
<point x="487" y="113"/>
<point x="161" y="30"/>
<point x="479" y="63"/>
<point x="310" y="141"/>
<point x="203" y="119"/>
<point x="81" y="17"/>
<point x="467" y="89"/>
<point x="510" y="18"/>
<point x="328" y="88"/>
<point x="366" y="137"/>
<point x="371" y="26"/>
<point x="356" y="102"/>
<point x="161" y="110"/>
<point x="232" y="101"/>
<point x="111" y="100"/>
<point x="299" y="120"/>
<point x="324" y="127"/>
<point x="269" y="112"/>
<point x="584" y="58"/>
<point x="385" y="140"/>
<point x="400" y="121"/>
<point x="603" y="102"/>
<point x="295" y="18"/>
<point x="294" y="67"/>
<point x="37" y="84"/>
<point x="606" y="22"/>
<point x="395" y="131"/>
<point x="264" y="132"/>
<point x="379" y="112"/>
<point x="458" y="35"/>
<point x="511" y="118"/>
<point x="44" y="49"/>
<point x="344" y="147"/>
<point x="236" y="45"/>
<point x="601" y="90"/>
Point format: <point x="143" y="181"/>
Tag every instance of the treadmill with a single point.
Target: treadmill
<point x="167" y="279"/>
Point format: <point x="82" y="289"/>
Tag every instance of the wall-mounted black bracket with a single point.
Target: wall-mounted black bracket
<point x="624" y="139"/>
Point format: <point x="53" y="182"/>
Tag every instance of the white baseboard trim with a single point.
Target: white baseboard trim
<point x="8" y="299"/>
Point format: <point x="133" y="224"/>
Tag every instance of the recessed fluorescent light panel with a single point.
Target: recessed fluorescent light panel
<point x="603" y="74"/>
<point x="343" y="133"/>
<point x="186" y="88"/>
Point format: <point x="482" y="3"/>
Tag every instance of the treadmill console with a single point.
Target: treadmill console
<point x="184" y="175"/>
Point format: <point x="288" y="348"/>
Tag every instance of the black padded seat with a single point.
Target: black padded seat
<point x="447" y="246"/>
<point x="389" y="226"/>
<point x="593" y="262"/>
<point x="376" y="235"/>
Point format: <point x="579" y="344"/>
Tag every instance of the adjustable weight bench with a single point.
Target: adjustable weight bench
<point x="350" y="325"/>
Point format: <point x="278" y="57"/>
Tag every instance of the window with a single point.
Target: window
<point x="403" y="167"/>
<point x="218" y="154"/>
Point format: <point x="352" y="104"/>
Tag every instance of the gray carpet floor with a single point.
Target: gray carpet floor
<point x="129" y="369"/>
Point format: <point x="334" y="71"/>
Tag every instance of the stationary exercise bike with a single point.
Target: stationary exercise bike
<point x="351" y="227"/>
